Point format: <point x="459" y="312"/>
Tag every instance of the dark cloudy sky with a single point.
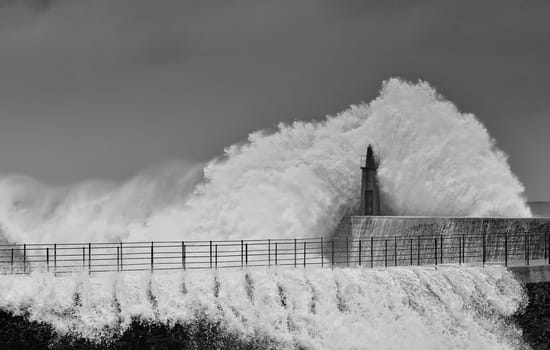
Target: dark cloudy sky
<point x="103" y="88"/>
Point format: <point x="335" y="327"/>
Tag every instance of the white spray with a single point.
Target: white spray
<point x="91" y="211"/>
<point x="295" y="182"/>
<point x="398" y="308"/>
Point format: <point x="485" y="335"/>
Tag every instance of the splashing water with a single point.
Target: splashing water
<point x="295" y="182"/>
<point x="91" y="211"/>
<point x="401" y="308"/>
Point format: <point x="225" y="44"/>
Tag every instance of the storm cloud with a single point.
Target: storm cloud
<point x="101" y="89"/>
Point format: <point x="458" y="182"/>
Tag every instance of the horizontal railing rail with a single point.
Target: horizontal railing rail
<point x="517" y="248"/>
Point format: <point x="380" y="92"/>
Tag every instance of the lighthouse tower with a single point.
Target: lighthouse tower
<point x="370" y="196"/>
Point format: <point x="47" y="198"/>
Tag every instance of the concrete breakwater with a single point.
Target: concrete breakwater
<point x="356" y="227"/>
<point x="456" y="239"/>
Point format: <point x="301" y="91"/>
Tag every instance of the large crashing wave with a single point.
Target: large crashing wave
<point x="90" y="211"/>
<point x="398" y="308"/>
<point x="295" y="182"/>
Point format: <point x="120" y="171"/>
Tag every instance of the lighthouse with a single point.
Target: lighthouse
<point x="370" y="195"/>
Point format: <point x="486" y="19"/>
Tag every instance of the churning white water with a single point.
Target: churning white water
<point x="399" y="308"/>
<point x="295" y="182"/>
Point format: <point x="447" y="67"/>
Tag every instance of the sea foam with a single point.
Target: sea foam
<point x="398" y="308"/>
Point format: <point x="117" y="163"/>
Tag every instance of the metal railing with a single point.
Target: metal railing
<point x="518" y="248"/>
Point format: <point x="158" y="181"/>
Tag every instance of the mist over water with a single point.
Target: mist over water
<point x="297" y="181"/>
<point x="90" y="211"/>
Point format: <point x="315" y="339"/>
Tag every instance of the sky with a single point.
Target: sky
<point x="101" y="89"/>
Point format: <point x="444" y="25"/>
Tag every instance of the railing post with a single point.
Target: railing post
<point x="210" y="254"/>
<point x="117" y="259"/>
<point x="484" y="248"/>
<point x="460" y="250"/>
<point x="11" y="264"/>
<point x="24" y="258"/>
<point x="83" y="258"/>
<point x="418" y="250"/>
<point x="371" y="252"/>
<point x="89" y="258"/>
<point x="242" y="253"/>
<point x="55" y="259"/>
<point x="322" y="253"/>
<point x="545" y="246"/>
<point x="332" y="252"/>
<point x="152" y="257"/>
<point x="435" y="251"/>
<point x="183" y="253"/>
<point x="121" y="258"/>
<point x="47" y="259"/>
<point x="276" y="244"/>
<point x="359" y="252"/>
<point x="246" y="253"/>
<point x="347" y="252"/>
<point x="441" y="250"/>
<point x="394" y="250"/>
<point x="386" y="253"/>
<point x="216" y="257"/>
<point x="304" y="254"/>
<point x="294" y="252"/>
<point x="411" y="255"/>
<point x="269" y="253"/>
<point x="527" y="241"/>
<point x="525" y="258"/>
<point x="506" y="249"/>
<point x="463" y="248"/>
